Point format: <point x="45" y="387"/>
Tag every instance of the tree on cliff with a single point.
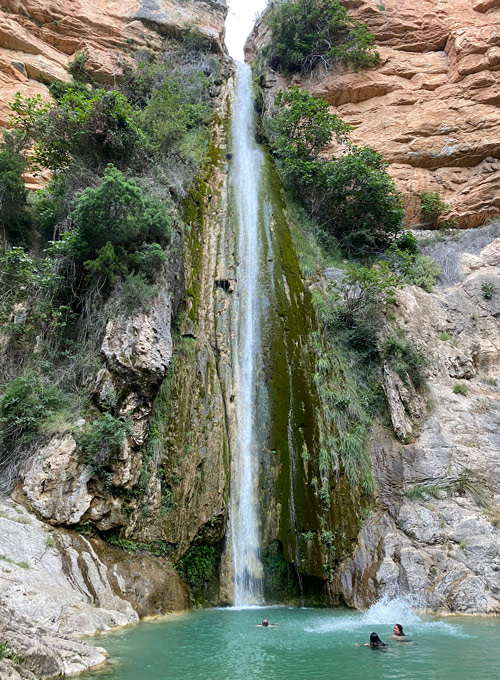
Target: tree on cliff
<point x="352" y="196"/>
<point x="311" y="33"/>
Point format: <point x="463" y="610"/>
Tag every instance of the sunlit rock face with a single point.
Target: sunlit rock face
<point x="54" y="583"/>
<point x="431" y="106"/>
<point x="39" y="38"/>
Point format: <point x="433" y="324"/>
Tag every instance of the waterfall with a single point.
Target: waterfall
<point x="246" y="174"/>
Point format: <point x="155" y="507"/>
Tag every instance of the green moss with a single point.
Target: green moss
<point x="199" y="564"/>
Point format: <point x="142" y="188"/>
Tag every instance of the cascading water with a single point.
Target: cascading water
<point x="246" y="177"/>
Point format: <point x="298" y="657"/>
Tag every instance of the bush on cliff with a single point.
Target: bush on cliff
<point x="15" y="223"/>
<point x="91" y="127"/>
<point x="352" y="195"/>
<point x="311" y="33"/>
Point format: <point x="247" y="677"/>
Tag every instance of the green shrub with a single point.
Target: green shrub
<point x="487" y="289"/>
<point x="118" y="212"/>
<point x="467" y="482"/>
<point x="198" y="565"/>
<point x="49" y="206"/>
<point x="99" y="441"/>
<point x="418" y="491"/>
<point x="77" y="68"/>
<point x="148" y="260"/>
<point x="302" y="127"/>
<point x="15" y="223"/>
<point x="364" y="289"/>
<point x="432" y="207"/>
<point x="407" y="359"/>
<point x="352" y="197"/>
<point x="310" y="33"/>
<point x="460" y="389"/>
<point x="419" y="270"/>
<point x="135" y="293"/>
<point x="93" y="127"/>
<point x="27" y="403"/>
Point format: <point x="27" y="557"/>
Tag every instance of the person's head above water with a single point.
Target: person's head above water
<point x="265" y="622"/>
<point x="398" y="630"/>
<point x="375" y="641"/>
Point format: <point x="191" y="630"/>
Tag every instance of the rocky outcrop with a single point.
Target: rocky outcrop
<point x="40" y="38"/>
<point x="136" y="353"/>
<point x="437" y="532"/>
<point x="431" y="106"/>
<point x="64" y="584"/>
<point x="32" y="652"/>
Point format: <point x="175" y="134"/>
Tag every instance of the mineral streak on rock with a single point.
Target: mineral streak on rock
<point x="55" y="583"/>
<point x="431" y="107"/>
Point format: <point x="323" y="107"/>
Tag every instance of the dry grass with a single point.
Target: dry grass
<point x="446" y="249"/>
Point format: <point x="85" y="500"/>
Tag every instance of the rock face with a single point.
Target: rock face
<point x="136" y="353"/>
<point x="63" y="584"/>
<point x="436" y="533"/>
<point x="33" y="652"/>
<point x="431" y="106"/>
<point x="39" y="38"/>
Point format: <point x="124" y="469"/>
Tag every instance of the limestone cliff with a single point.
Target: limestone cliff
<point x="60" y="581"/>
<point x="431" y="106"/>
<point x="436" y="530"/>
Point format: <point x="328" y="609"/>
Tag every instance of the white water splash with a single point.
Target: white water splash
<point x="246" y="177"/>
<point x="386" y="612"/>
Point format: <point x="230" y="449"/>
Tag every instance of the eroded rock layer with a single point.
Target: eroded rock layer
<point x="436" y="533"/>
<point x="39" y="38"/>
<point x="432" y="105"/>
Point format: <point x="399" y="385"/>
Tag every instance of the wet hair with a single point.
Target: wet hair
<point x="400" y="629"/>
<point x="265" y="622"/>
<point x="375" y="641"/>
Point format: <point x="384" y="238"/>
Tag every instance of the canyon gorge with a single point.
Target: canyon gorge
<point x="85" y="549"/>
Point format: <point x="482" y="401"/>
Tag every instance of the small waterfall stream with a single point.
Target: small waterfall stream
<point x="246" y="177"/>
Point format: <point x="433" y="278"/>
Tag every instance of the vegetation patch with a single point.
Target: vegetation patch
<point x="280" y="578"/>
<point x="199" y="564"/>
<point x="100" y="441"/>
<point x="352" y="197"/>
<point x="306" y="34"/>
<point x="432" y="207"/>
<point x="407" y="359"/>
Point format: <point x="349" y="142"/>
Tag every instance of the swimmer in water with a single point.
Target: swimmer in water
<point x="265" y="624"/>
<point x="398" y="634"/>
<point x="375" y="641"/>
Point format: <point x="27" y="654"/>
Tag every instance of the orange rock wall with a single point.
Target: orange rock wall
<point x="39" y="38"/>
<point x="432" y="106"/>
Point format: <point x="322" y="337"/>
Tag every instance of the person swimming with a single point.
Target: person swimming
<point x="265" y="624"/>
<point x="398" y="633"/>
<point x="375" y="641"/>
